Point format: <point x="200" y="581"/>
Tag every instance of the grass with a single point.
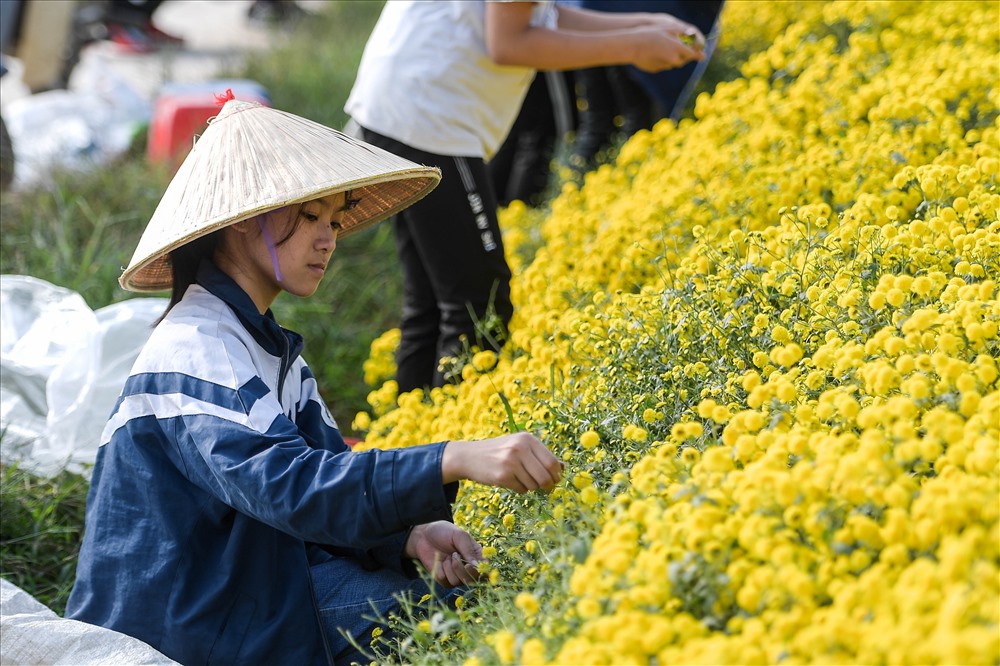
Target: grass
<point x="80" y="232"/>
<point x="40" y="532"/>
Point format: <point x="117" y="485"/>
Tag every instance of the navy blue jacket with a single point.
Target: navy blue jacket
<point x="219" y="470"/>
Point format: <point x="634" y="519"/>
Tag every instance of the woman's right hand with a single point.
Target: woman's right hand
<point x="657" y="48"/>
<point x="686" y="32"/>
<point x="519" y="461"/>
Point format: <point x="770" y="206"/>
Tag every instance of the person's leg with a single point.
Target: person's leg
<point x="420" y="323"/>
<point x="501" y="162"/>
<point x="454" y="236"/>
<point x="419" y="326"/>
<point x="532" y="166"/>
<point x="596" y="106"/>
<point x="634" y="104"/>
<point x="458" y="236"/>
<point x="351" y="600"/>
<point x="520" y="170"/>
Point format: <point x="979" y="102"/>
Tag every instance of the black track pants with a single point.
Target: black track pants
<point x="454" y="269"/>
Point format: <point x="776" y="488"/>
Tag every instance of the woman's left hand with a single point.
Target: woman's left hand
<point x="447" y="551"/>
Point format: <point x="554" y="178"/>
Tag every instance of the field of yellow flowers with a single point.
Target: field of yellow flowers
<point x="765" y="343"/>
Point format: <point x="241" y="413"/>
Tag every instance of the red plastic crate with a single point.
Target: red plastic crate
<point x="177" y="119"/>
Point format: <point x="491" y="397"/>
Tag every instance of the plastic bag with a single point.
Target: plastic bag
<point x="93" y="121"/>
<point x="62" y="366"/>
<point x="31" y="633"/>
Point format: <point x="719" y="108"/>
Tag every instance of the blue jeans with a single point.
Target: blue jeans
<point x="349" y="597"/>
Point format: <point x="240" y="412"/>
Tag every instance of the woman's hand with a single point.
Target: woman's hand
<point x="659" y="46"/>
<point x="686" y="32"/>
<point x="519" y="461"/>
<point x="447" y="551"/>
<point x="651" y="41"/>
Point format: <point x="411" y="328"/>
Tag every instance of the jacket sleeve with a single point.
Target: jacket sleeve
<point x="320" y="431"/>
<point x="229" y="435"/>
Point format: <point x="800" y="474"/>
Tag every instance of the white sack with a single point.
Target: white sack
<point x="32" y="634"/>
<point x="62" y="366"/>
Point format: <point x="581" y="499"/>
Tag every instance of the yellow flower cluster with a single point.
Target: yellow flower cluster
<point x="381" y="364"/>
<point x="765" y="343"/>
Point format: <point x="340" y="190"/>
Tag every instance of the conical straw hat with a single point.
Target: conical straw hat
<point x="252" y="159"/>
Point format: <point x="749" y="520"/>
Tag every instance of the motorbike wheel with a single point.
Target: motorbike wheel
<point x="6" y="157"/>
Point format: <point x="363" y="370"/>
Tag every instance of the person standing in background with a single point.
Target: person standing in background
<point x="441" y="83"/>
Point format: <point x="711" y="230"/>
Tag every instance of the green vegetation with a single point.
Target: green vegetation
<point x="40" y="533"/>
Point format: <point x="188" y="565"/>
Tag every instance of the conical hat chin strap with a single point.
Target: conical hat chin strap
<point x="270" y="246"/>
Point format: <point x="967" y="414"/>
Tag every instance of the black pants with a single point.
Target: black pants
<point x="608" y="92"/>
<point x="522" y="167"/>
<point x="456" y="282"/>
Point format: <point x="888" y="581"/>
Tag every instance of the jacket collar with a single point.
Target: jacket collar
<point x="265" y="330"/>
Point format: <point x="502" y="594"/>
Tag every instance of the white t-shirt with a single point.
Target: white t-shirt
<point x="426" y="79"/>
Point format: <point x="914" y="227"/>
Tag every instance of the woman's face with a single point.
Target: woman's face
<point x="288" y="253"/>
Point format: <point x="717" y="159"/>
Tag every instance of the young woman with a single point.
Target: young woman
<point x="227" y="521"/>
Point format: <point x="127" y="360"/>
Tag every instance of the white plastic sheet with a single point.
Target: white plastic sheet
<point x="91" y="122"/>
<point x="62" y="366"/>
<point x="31" y="633"/>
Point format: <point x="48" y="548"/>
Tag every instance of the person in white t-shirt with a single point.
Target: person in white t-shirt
<point x="441" y="83"/>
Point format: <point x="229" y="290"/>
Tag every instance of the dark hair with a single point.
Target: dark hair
<point x="184" y="263"/>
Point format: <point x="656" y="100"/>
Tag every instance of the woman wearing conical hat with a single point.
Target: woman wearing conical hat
<point x="227" y="520"/>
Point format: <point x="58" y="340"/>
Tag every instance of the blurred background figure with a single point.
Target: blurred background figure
<point x="522" y="168"/>
<point x="615" y="102"/>
<point x="48" y="37"/>
<point x="575" y="116"/>
<point x="42" y="36"/>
